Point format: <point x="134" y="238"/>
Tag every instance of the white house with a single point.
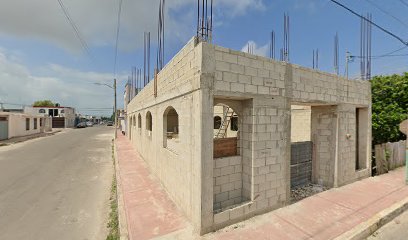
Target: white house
<point x="62" y="117"/>
<point x="20" y="124"/>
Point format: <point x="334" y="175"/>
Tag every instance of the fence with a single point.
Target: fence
<point x="389" y="156"/>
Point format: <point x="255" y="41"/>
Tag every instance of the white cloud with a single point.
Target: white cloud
<point x="257" y="50"/>
<point x="96" y="20"/>
<point x="66" y="86"/>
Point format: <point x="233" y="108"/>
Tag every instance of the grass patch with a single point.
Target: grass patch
<point x="113" y="223"/>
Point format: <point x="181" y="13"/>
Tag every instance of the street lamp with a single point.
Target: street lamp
<point x="114" y="93"/>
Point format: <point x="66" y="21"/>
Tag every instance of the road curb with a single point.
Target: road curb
<point x="21" y="139"/>
<point x="365" y="229"/>
<point x="123" y="229"/>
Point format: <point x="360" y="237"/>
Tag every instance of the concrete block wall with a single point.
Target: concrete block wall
<point x="313" y="86"/>
<point x="324" y="137"/>
<point x="178" y="166"/>
<point x="347" y="142"/>
<point x="227" y="182"/>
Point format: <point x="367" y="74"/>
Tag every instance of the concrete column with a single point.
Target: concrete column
<point x="205" y="131"/>
<point x="324" y="138"/>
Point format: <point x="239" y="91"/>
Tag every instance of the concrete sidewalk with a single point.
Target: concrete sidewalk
<point x="28" y="137"/>
<point x="348" y="212"/>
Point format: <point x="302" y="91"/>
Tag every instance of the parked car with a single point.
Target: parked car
<point x="89" y="124"/>
<point x="109" y="123"/>
<point x="81" y="125"/>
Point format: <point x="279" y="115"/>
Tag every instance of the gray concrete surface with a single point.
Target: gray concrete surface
<point x="57" y="187"/>
<point x="397" y="229"/>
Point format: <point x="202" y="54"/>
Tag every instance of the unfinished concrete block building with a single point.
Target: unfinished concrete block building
<point x="215" y="127"/>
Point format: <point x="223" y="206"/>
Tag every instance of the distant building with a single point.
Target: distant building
<point x="20" y="124"/>
<point x="62" y="117"/>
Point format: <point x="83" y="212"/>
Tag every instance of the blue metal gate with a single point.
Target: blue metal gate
<point x="3" y="129"/>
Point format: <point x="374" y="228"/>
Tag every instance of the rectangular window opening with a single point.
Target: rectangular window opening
<point x="27" y="124"/>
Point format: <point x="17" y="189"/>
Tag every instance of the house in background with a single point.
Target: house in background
<point x="62" y="117"/>
<point x="20" y="124"/>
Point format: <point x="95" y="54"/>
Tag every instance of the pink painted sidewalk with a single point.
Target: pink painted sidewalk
<point x="327" y="215"/>
<point x="149" y="211"/>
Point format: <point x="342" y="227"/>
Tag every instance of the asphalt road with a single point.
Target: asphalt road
<point x="397" y="229"/>
<point x="57" y="187"/>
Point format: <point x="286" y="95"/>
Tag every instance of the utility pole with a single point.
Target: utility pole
<point x="116" y="110"/>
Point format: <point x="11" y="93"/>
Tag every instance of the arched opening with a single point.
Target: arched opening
<point x="170" y="127"/>
<point x="134" y="121"/>
<point x="41" y="110"/>
<point x="139" y="121"/>
<point x="149" y="124"/>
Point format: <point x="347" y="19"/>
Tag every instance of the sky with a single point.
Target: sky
<point x="41" y="56"/>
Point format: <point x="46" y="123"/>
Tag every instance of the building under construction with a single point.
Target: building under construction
<point x="215" y="127"/>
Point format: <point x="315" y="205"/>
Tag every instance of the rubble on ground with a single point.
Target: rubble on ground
<point x="301" y="192"/>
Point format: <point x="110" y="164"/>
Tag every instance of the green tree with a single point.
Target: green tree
<point x="43" y="103"/>
<point x="390" y="107"/>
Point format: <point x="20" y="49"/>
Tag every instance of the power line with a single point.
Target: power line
<point x="406" y="4"/>
<point x="386" y="12"/>
<point x="117" y="37"/>
<point x="389" y="54"/>
<point x="76" y="30"/>
<point x="373" y="23"/>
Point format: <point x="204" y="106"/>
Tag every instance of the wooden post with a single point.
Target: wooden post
<point x="404" y="129"/>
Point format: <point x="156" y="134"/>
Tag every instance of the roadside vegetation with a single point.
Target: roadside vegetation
<point x="390" y="107"/>
<point x="113" y="223"/>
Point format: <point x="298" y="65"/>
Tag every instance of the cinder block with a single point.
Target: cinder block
<point x="227" y="170"/>
<point x="271" y="193"/>
<point x="244" y="61"/>
<point x="221" y="217"/>
<point x="235" y="177"/>
<point x="255" y="63"/>
<point x="235" y="160"/>
<point x="227" y="203"/>
<point x="258" y="162"/>
<point x="249" y="88"/>
<point x="234" y="193"/>
<point x="221" y="162"/>
<point x="230" y="77"/>
<point x="244" y="79"/>
<point x="263" y="90"/>
<point x="220" y="197"/>
<point x="236" y="212"/>
<point x="257" y="81"/>
<point x="222" y="86"/>
<point x="222" y="66"/>
<point x="263" y="73"/>
<point x="237" y="87"/>
<point x="221" y="180"/>
<point x="230" y="58"/>
<point x="235" y="68"/>
<point x="251" y="71"/>
<point x="227" y="187"/>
